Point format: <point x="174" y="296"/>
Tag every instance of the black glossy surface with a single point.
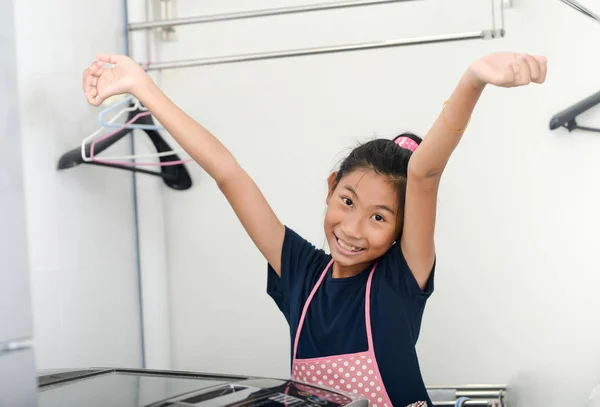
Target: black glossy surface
<point x="151" y="388"/>
<point x="117" y="388"/>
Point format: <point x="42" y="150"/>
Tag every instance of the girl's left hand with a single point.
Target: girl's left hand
<point x="509" y="69"/>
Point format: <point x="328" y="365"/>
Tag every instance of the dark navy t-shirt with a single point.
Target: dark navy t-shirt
<point x="335" y="320"/>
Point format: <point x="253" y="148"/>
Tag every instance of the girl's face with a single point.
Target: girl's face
<point x="363" y="218"/>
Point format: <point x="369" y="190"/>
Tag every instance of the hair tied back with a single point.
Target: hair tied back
<point x="407" y="143"/>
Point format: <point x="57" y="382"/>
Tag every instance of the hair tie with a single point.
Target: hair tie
<point x="407" y="142"/>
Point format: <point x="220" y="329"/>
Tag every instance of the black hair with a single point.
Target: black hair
<point x="383" y="156"/>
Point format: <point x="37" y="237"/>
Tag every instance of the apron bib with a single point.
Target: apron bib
<point x="356" y="373"/>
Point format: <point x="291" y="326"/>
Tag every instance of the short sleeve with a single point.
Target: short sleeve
<point x="300" y="261"/>
<point x="401" y="277"/>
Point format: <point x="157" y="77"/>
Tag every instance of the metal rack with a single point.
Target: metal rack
<point x="477" y="395"/>
<point x="259" y="13"/>
<point x="495" y="31"/>
<point x="582" y="9"/>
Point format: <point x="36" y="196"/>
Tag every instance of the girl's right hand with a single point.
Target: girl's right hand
<point x="100" y="82"/>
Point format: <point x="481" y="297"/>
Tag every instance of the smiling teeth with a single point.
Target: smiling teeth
<point x="347" y="247"/>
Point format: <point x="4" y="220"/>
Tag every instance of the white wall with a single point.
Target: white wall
<point x="80" y="221"/>
<point x="17" y="361"/>
<point x="518" y="276"/>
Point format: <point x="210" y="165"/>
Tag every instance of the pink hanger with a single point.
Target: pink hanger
<point x="99" y="160"/>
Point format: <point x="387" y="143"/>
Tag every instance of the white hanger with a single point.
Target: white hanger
<point x="136" y="106"/>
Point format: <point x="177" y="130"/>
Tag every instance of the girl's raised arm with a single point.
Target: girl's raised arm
<point x="249" y="204"/>
<point x="429" y="160"/>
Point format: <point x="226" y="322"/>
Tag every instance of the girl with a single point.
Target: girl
<point x="354" y="314"/>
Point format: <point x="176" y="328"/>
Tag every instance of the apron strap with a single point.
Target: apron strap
<point x="367" y="307"/>
<point x="306" y="304"/>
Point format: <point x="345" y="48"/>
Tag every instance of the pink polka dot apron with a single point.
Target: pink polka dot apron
<point x="356" y="373"/>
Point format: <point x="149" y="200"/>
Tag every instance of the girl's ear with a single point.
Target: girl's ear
<point x="330" y="185"/>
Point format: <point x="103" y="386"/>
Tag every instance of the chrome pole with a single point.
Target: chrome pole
<point x="476" y="35"/>
<point x="584" y="10"/>
<point x="259" y="13"/>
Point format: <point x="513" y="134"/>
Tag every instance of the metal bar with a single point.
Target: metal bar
<point x="469" y="403"/>
<point x="480" y="394"/>
<point x="582" y="9"/>
<point x="259" y="13"/>
<point x="502" y="15"/>
<point x="496" y="387"/>
<point x="493" y="15"/>
<point x="483" y="395"/>
<point x="476" y="35"/>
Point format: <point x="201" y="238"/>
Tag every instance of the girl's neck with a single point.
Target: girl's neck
<point x="347" y="271"/>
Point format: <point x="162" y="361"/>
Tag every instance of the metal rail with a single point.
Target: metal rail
<point x="259" y="13"/>
<point x="476" y="35"/>
<point x="494" y="32"/>
<point x="582" y="9"/>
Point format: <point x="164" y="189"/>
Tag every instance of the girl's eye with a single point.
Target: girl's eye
<point x="347" y="201"/>
<point x="378" y="218"/>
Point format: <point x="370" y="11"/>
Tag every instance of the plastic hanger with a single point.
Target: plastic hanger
<point x="137" y="105"/>
<point x="172" y="170"/>
<point x="567" y="117"/>
<point x="111" y="160"/>
<point x="119" y="127"/>
<point x="111" y="121"/>
<point x="174" y="175"/>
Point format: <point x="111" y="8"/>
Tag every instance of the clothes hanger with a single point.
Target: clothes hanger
<point x="175" y="175"/>
<point x="136" y="105"/>
<point x="566" y="118"/>
<point x="112" y="120"/>
<point x="111" y="160"/>
<point x="114" y="159"/>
